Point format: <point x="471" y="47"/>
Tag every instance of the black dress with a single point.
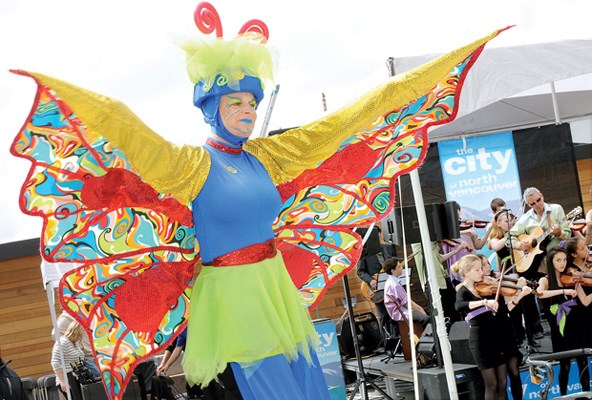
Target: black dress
<point x="486" y="338"/>
<point x="560" y="341"/>
<point x="577" y="325"/>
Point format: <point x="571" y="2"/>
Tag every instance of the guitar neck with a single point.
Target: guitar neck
<point x="549" y="230"/>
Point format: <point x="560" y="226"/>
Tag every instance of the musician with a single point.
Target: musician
<point x="443" y="277"/>
<point x="585" y="232"/>
<point x="395" y="292"/>
<point x="369" y="268"/>
<point x="498" y="242"/>
<point x="547" y="217"/>
<point x="489" y="352"/>
<point x="561" y="311"/>
<point x="541" y="215"/>
<point x="497" y="204"/>
<point x="469" y="243"/>
<point x="506" y="326"/>
<point x="577" y="254"/>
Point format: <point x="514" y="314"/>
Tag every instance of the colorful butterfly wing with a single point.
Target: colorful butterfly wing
<point x="356" y="186"/>
<point x="136" y="248"/>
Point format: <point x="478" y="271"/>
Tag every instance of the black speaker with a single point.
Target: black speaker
<point x="459" y="342"/>
<point x="426" y="348"/>
<point x="442" y="223"/>
<point x="368" y="333"/>
<point x="433" y="385"/>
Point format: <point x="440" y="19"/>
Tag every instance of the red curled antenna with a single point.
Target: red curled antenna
<point x="255" y="25"/>
<point x="207" y="19"/>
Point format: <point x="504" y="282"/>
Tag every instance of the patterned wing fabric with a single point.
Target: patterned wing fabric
<point x="134" y="245"/>
<point x="356" y="186"/>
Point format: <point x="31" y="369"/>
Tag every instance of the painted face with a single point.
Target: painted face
<point x="238" y="113"/>
<point x="559" y="262"/>
<point x="536" y="202"/>
<point x="476" y="272"/>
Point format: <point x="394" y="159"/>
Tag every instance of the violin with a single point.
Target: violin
<point x="464" y="225"/>
<point x="490" y="288"/>
<point x="578" y="225"/>
<point x="572" y="278"/>
<point x="532" y="284"/>
<point x="451" y="242"/>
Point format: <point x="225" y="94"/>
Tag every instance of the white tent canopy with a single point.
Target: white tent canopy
<point x="511" y="88"/>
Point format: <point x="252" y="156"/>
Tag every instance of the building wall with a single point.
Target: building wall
<point x="25" y="322"/>
<point x="585" y="177"/>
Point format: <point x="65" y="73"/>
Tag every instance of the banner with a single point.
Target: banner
<point x="329" y="357"/>
<point x="531" y="390"/>
<point x="478" y="169"/>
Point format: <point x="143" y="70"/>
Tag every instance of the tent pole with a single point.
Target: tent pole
<point x="440" y="328"/>
<point x="555" y="104"/>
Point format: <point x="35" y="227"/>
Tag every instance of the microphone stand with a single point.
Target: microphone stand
<point x="361" y="380"/>
<point x="529" y="348"/>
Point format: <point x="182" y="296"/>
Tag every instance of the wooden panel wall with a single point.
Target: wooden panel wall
<point x="25" y="322"/>
<point x="585" y="175"/>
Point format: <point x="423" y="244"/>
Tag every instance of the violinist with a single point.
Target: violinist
<point x="468" y="243"/>
<point x="498" y="242"/>
<point x="559" y="307"/>
<point x="514" y="292"/>
<point x="577" y="254"/>
<point x="583" y="228"/>
<point x="489" y="352"/>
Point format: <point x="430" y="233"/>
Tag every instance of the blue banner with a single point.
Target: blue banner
<point x="531" y="390"/>
<point x="478" y="169"/>
<point x="330" y="359"/>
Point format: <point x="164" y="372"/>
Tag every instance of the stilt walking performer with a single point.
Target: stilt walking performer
<point x="271" y="219"/>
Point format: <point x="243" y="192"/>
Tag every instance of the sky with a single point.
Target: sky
<point x="125" y="49"/>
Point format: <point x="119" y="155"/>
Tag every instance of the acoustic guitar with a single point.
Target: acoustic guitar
<point x="524" y="258"/>
<point x="377" y="295"/>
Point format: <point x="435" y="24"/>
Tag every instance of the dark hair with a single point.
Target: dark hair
<point x="551" y="276"/>
<point x="496" y="203"/>
<point x="571" y="245"/>
<point x="389" y="265"/>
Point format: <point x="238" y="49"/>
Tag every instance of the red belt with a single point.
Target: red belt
<point x="247" y="255"/>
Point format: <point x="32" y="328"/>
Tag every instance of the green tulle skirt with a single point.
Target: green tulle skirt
<point x="243" y="314"/>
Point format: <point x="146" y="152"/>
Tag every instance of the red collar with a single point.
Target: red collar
<point x="223" y="148"/>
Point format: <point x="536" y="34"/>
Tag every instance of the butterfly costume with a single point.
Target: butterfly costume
<point x="271" y="219"/>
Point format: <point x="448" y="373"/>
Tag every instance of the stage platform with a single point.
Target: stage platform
<point x="395" y="375"/>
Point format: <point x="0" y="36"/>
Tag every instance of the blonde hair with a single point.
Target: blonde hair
<point x="74" y="332"/>
<point x="465" y="264"/>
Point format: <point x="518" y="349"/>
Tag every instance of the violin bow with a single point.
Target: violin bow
<point x="499" y="284"/>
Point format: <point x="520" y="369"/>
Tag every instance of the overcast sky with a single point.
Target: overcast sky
<point x="124" y="49"/>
